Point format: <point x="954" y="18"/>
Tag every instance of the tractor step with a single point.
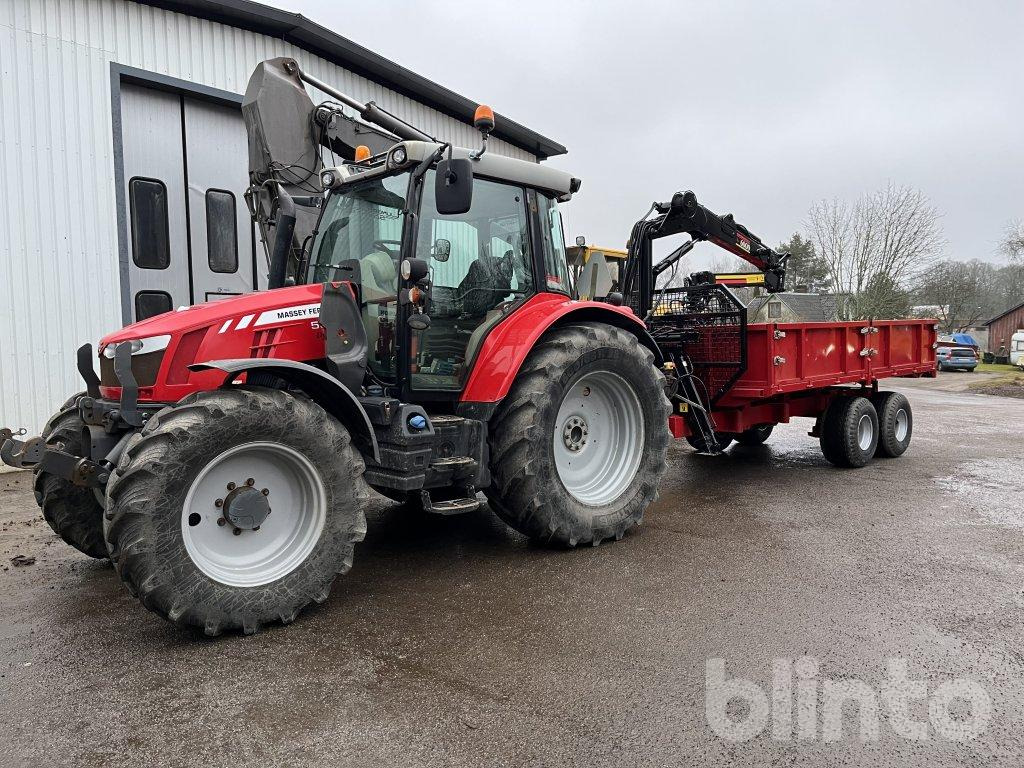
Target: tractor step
<point x="450" y="463"/>
<point x="457" y="506"/>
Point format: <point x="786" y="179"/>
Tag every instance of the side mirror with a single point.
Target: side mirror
<point x="581" y="241"/>
<point x="442" y="249"/>
<point x="453" y="186"/>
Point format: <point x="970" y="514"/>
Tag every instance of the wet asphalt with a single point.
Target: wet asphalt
<point x="456" y="642"/>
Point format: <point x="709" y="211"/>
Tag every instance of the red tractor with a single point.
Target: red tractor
<point x="424" y="342"/>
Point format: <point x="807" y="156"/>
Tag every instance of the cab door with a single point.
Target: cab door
<point x="489" y="269"/>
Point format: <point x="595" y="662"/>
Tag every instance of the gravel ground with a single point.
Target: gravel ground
<point x="455" y="642"/>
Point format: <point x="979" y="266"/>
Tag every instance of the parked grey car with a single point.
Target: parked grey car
<point x="956" y="358"/>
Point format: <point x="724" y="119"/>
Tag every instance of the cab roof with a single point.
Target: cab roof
<point x="491" y="165"/>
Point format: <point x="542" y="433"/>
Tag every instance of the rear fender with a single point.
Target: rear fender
<point x="329" y="393"/>
<point x="507" y="346"/>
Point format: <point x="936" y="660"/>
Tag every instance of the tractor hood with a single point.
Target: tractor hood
<point x="261" y="306"/>
<point x="282" y="324"/>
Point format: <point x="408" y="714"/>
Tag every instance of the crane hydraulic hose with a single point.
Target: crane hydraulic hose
<point x="282" y="240"/>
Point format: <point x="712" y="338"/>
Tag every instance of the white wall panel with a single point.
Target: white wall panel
<point x="59" y="283"/>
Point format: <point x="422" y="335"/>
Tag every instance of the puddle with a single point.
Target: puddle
<point x="993" y="488"/>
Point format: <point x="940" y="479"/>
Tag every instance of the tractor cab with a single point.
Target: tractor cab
<point x="432" y="280"/>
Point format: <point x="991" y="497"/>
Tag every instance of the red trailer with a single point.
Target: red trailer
<point x="734" y="381"/>
<point x="806" y="369"/>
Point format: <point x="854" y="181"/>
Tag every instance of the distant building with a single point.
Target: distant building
<point x="793" y="308"/>
<point x="1002" y="327"/>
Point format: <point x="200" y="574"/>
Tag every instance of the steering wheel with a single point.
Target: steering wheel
<point x="392" y="252"/>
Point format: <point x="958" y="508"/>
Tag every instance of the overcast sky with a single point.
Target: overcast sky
<point x="760" y="108"/>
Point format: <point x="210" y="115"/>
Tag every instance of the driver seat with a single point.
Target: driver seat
<point x="490" y="272"/>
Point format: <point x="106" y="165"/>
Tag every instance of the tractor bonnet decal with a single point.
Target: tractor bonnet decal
<point x="280" y="315"/>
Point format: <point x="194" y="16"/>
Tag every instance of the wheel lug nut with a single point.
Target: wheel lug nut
<point x="237" y="531"/>
<point x="231" y="486"/>
<point x="221" y="521"/>
<point x="250" y="481"/>
<point x="218" y="503"/>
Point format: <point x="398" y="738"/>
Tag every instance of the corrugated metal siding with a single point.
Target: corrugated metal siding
<point x="59" y="285"/>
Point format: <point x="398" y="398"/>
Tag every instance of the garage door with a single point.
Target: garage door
<point x="190" y="238"/>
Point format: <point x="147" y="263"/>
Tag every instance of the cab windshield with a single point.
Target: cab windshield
<point x="362" y="222"/>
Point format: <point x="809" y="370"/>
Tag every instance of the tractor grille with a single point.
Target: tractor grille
<point x="706" y="324"/>
<point x="144" y="369"/>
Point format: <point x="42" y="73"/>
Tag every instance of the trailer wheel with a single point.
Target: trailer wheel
<point x="849" y="431"/>
<point x="755" y="435"/>
<point x="236" y="508"/>
<point x="578" y="446"/>
<point x="895" y="423"/>
<point x="74" y="513"/>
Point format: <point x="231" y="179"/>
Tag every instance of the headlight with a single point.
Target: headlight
<point x="399" y="156"/>
<point x="328" y="179"/>
<point x="139" y="346"/>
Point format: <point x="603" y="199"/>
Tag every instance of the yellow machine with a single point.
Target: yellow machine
<point x="578" y="255"/>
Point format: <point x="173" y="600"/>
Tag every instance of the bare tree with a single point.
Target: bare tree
<point x="1013" y="242"/>
<point x="957" y="290"/>
<point x="888" y="237"/>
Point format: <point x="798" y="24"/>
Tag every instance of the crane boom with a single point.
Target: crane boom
<point x="685" y="215"/>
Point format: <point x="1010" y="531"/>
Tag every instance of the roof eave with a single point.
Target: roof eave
<point x="1001" y="315"/>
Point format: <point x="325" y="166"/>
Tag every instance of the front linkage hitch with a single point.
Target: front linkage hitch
<point x="35" y="453"/>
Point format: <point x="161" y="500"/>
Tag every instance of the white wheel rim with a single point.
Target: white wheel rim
<point x="902" y="425"/>
<point x="296" y="499"/>
<point x="865" y="432"/>
<point x="599" y="437"/>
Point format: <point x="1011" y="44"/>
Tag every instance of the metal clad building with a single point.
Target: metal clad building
<point x="105" y="104"/>
<point x="1001" y="329"/>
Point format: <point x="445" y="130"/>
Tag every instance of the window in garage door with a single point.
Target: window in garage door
<point x="150" y="232"/>
<point x="149" y="303"/>
<point x="221" y="231"/>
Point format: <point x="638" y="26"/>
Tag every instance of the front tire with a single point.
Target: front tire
<point x="578" y="446"/>
<point x="74" y="513"/>
<point x="236" y="508"/>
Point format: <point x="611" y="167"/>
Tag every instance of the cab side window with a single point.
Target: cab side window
<point x="556" y="270"/>
<point x="480" y="263"/>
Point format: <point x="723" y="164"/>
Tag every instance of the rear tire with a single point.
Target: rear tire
<point x="578" y="446"/>
<point x="755" y="435"/>
<point x="895" y="423"/>
<point x="74" y="513"/>
<point x="849" y="431"/>
<point x="163" y="524"/>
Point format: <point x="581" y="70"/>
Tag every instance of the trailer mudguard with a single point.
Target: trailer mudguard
<point x="508" y="345"/>
<point x="333" y="396"/>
